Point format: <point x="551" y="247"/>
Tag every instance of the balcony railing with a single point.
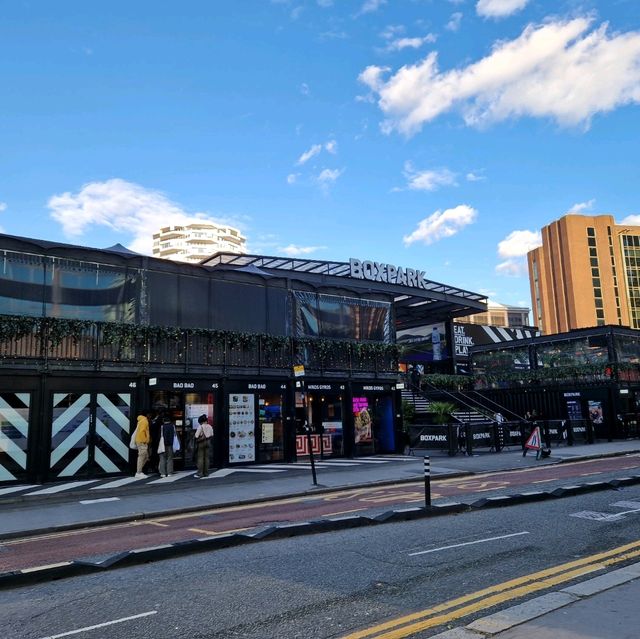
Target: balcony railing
<point x="53" y="342"/>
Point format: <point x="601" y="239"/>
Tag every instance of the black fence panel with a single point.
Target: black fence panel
<point x="443" y="437"/>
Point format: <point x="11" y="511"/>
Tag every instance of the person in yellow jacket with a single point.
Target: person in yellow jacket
<point x="143" y="439"/>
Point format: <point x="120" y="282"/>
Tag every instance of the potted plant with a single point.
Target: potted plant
<point x="441" y="411"/>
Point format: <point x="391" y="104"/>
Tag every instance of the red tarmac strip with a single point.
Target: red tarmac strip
<point x="92" y="543"/>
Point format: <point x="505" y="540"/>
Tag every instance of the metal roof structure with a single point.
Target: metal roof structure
<point x="413" y="305"/>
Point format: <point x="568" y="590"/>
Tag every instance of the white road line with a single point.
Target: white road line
<point x="84" y="502"/>
<point x="102" y="625"/>
<point x="59" y="489"/>
<point x="467" y="543"/>
<point x="15" y="489"/>
<point x="171" y="478"/>
<point x="115" y="484"/>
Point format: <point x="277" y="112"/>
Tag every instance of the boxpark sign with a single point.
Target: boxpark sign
<point x="388" y="273"/>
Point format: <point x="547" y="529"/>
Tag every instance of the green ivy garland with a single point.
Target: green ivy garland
<point x="130" y="335"/>
<point x="17" y="327"/>
<point x="59" y="329"/>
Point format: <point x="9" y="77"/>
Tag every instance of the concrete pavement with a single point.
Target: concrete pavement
<point x="604" y="607"/>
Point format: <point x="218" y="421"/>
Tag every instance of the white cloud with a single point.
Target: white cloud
<point x="429" y="180"/>
<point x="519" y="243"/>
<point x="392" y="31"/>
<point x="410" y="43"/>
<point x="331" y="146"/>
<point x="307" y="155"/>
<point x="513" y="249"/>
<point x="328" y="177"/>
<point x="304" y="89"/>
<point x="454" y="22"/>
<point x="631" y="220"/>
<point x="123" y="207"/>
<point x="562" y="70"/>
<point x="293" y="251"/>
<point x="442" y="224"/>
<point x="3" y="206"/>
<point x="370" y="6"/>
<point x="475" y="177"/>
<point x="581" y="207"/>
<point x="499" y="8"/>
<point x="292" y="178"/>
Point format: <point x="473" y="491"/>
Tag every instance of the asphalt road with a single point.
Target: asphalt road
<point x="334" y="584"/>
<point x="97" y="543"/>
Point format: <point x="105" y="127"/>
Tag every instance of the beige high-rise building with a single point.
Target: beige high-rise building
<point x="499" y="315"/>
<point x="194" y="242"/>
<point x="586" y="273"/>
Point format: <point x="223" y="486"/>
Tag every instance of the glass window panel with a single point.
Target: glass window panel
<point x="81" y="290"/>
<point x="21" y="284"/>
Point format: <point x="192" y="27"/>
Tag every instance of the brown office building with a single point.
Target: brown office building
<point x="586" y="273"/>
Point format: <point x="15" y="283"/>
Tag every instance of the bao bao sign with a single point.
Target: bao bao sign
<point x="388" y="273"/>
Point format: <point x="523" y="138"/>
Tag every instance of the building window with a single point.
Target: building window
<point x="594" y="261"/>
<point x="591" y="232"/>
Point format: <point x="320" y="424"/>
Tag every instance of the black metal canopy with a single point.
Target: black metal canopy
<point x="413" y="305"/>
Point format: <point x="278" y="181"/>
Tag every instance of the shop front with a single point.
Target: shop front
<point x="185" y="400"/>
<point x="325" y="414"/>
<point x="259" y="428"/>
<point x="373" y="418"/>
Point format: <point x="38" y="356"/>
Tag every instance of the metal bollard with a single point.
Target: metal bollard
<point x="427" y="482"/>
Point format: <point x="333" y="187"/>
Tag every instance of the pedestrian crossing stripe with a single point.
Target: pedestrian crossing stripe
<point x="534" y="441"/>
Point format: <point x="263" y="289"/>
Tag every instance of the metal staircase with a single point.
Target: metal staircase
<point x="474" y="408"/>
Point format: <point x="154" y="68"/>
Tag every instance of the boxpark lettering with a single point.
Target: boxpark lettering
<point x="433" y="438"/>
<point x="379" y="272"/>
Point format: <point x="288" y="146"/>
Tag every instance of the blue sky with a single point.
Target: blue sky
<point x="434" y="134"/>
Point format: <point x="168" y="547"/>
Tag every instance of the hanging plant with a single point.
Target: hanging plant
<point x="123" y="334"/>
<point x="16" y="326"/>
<point x="59" y="329"/>
<point x="241" y="340"/>
<point x="157" y="334"/>
<point x="273" y="342"/>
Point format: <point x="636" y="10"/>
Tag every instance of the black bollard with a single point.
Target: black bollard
<point x="427" y="482"/>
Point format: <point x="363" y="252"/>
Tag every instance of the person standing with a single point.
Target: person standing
<point x="155" y="423"/>
<point x="167" y="433"/>
<point x="143" y="439"/>
<point x="203" y="436"/>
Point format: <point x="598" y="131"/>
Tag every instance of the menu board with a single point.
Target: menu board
<point x="242" y="444"/>
<point x="267" y="433"/>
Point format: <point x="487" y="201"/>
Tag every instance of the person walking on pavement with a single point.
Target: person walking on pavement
<point x="143" y="439"/>
<point x="167" y="434"/>
<point x="203" y="436"/>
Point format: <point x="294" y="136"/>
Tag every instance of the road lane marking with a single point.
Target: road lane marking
<point x="214" y="533"/>
<point x="157" y="523"/>
<point x="498" y="593"/>
<point x="102" y="625"/>
<point x="86" y="502"/>
<point x="468" y="543"/>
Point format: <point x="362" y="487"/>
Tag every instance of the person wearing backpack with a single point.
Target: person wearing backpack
<point x="203" y="435"/>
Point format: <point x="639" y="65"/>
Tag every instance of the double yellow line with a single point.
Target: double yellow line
<point x="494" y="595"/>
